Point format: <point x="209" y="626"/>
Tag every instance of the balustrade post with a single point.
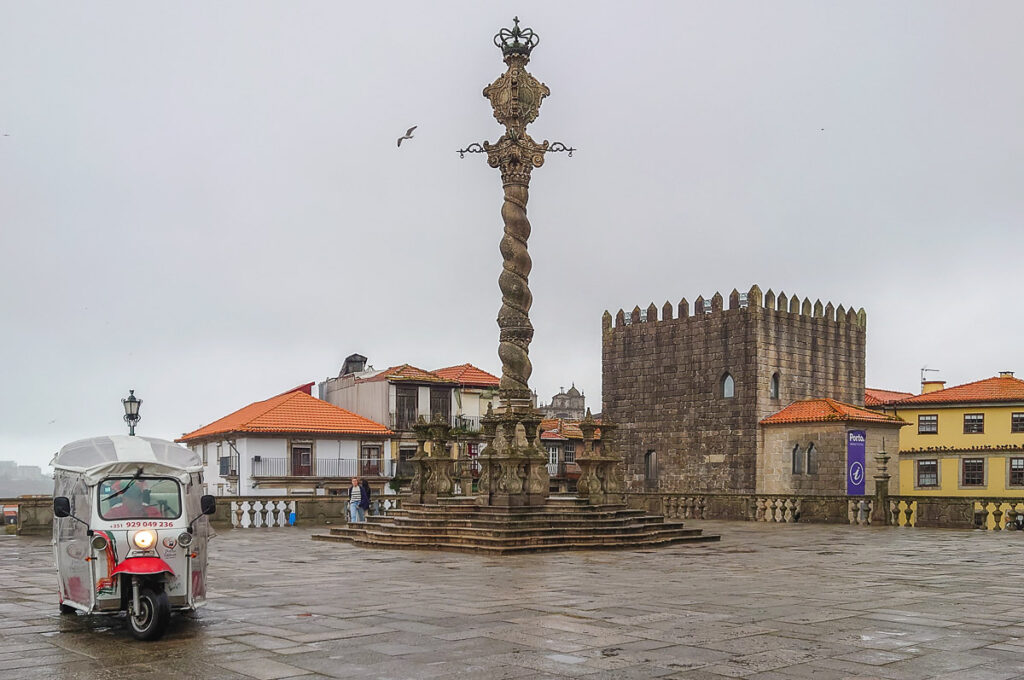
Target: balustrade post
<point x="997" y="515"/>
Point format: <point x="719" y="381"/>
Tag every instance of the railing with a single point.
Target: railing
<point x="563" y="469"/>
<point x="466" y="424"/>
<point x="326" y="467"/>
<point x="404" y="422"/>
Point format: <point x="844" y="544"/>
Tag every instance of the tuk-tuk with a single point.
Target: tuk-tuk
<point x="130" y="529"/>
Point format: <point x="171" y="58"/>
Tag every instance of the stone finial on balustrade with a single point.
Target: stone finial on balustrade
<point x="880" y="508"/>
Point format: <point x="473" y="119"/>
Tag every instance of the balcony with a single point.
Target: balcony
<point x="563" y="470"/>
<point x="403" y="422"/>
<point x="263" y="466"/>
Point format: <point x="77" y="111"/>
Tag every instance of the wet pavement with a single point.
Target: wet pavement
<point x="769" y="601"/>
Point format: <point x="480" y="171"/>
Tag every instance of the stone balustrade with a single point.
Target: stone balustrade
<point x="996" y="514"/>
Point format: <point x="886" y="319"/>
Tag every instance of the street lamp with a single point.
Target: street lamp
<point x="131" y="411"/>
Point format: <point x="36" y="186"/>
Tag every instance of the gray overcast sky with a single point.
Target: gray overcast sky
<point x="204" y="201"/>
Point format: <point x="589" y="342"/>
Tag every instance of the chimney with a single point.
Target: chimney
<point x="928" y="386"/>
<point x="354" y="363"/>
<point x="1005" y="374"/>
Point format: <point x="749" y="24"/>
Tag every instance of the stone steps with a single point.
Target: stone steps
<point x="561" y="524"/>
<point x="504" y="549"/>
<point x="512" y="532"/>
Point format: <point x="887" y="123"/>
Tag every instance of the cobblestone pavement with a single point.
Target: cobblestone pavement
<point x="769" y="601"/>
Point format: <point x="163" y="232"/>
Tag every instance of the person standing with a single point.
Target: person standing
<point x="364" y="499"/>
<point x="355" y="499"/>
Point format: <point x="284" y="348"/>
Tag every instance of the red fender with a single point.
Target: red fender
<point x="142" y="565"/>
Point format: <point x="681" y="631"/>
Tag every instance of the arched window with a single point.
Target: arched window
<point x="812" y="459"/>
<point x="773" y="390"/>
<point x="651" y="466"/>
<point x="798" y="460"/>
<point x="728" y="386"/>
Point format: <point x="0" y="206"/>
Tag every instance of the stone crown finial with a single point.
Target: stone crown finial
<point x="516" y="40"/>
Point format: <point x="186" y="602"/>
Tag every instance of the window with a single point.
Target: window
<point x="1016" y="476"/>
<point x="928" y="424"/>
<point x="651" y="466"/>
<point x="552" y="454"/>
<point x="927" y="473"/>
<point x="812" y="459"/>
<point x="707" y="306"/>
<point x="570" y="452"/>
<point x="1017" y="422"/>
<point x="798" y="460"/>
<point x="974" y="471"/>
<point x="728" y="386"/>
<point x="744" y="302"/>
<point x="406" y="405"/>
<point x="974" y="423"/>
<point x="131" y="498"/>
<point x="441" y="403"/>
<point x="643" y="315"/>
<point x="204" y="454"/>
<point x="773" y="390"/>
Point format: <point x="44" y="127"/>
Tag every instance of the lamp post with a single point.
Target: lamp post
<point x="131" y="411"/>
<point x="516" y="470"/>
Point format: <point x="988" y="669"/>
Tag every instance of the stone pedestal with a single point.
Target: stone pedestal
<point x="432" y="470"/>
<point x="599" y="482"/>
<point x="514" y="471"/>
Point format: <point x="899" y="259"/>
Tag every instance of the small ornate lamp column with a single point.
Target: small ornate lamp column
<point x="517" y="472"/>
<point x="880" y="509"/>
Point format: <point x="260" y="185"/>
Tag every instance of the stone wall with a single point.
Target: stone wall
<point x="775" y="465"/>
<point x="662" y="381"/>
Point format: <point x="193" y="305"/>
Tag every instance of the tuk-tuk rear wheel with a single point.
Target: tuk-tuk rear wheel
<point x="150" y="622"/>
<point x="67" y="609"/>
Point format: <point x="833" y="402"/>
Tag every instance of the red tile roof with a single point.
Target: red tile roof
<point x="556" y="428"/>
<point x="873" y="397"/>
<point x="406" y="373"/>
<point x="293" y="411"/>
<point x="827" y="410"/>
<point x="998" y="389"/>
<point x="469" y="375"/>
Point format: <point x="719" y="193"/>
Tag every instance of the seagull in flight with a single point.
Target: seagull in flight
<point x="407" y="135"/>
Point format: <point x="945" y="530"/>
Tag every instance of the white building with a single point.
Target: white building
<point x="291" y="444"/>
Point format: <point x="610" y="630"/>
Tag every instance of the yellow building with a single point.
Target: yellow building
<point x="966" y="440"/>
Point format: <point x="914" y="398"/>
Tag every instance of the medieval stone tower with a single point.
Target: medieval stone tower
<point x="688" y="392"/>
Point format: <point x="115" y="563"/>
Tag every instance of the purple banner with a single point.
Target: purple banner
<point x="855" y="472"/>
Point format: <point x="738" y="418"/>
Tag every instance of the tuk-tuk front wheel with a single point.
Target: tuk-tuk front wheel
<point x="150" y="622"/>
<point x="67" y="609"/>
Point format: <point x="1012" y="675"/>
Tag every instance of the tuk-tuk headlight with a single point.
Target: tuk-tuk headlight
<point x="184" y="539"/>
<point x="145" y="539"/>
<point x="99" y="542"/>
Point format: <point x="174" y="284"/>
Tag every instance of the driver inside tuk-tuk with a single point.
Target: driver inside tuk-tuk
<point x="133" y="504"/>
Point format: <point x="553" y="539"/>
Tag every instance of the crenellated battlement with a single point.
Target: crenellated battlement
<point x="751" y="301"/>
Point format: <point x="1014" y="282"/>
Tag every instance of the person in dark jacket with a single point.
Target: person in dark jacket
<point x="364" y="499"/>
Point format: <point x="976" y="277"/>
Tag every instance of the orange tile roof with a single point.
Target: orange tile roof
<point x="873" y="397"/>
<point x="556" y="428"/>
<point x="293" y="411"/>
<point x="406" y="373"/>
<point x="470" y="375"/>
<point x="827" y="410"/>
<point x="998" y="389"/>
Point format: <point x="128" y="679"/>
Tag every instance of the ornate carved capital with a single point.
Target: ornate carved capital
<point x="516" y="95"/>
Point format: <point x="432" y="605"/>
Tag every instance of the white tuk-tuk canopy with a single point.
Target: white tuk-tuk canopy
<point x="99" y="457"/>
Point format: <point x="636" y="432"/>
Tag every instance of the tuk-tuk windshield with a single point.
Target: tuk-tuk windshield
<point x="140" y="498"/>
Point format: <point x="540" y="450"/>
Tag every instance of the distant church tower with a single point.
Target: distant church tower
<point x="688" y="392"/>
<point x="569" y="405"/>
